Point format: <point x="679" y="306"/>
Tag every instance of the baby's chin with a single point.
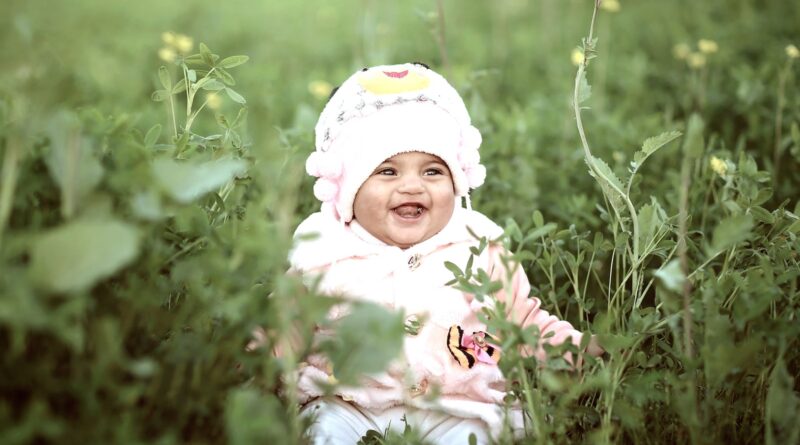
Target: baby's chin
<point x="405" y="242"/>
<point x="409" y="238"/>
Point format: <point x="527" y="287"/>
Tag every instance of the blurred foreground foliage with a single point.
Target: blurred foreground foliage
<point x="141" y="243"/>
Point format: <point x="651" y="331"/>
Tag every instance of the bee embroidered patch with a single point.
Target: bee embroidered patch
<point x="470" y="349"/>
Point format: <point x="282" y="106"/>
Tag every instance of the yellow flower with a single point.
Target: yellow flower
<point x="319" y="89"/>
<point x="792" y="51"/>
<point x="707" y="46"/>
<point x="213" y="101"/>
<point x="696" y="60"/>
<point x="719" y="166"/>
<point x="610" y="5"/>
<point x="168" y="38"/>
<point x="577" y="56"/>
<point x="167" y="54"/>
<point x="681" y="51"/>
<point x="183" y="43"/>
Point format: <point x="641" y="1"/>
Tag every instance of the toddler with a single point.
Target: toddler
<point x="395" y="156"/>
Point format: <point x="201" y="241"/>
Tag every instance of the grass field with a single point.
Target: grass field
<point x="144" y="226"/>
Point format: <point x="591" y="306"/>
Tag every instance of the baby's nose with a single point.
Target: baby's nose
<point x="411" y="184"/>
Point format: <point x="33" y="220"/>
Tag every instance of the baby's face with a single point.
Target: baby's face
<point x="406" y="200"/>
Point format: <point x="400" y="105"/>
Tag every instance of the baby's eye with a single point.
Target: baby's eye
<point x="433" y="172"/>
<point x="385" y="171"/>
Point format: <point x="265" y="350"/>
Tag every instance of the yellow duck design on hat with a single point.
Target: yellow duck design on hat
<point x="393" y="79"/>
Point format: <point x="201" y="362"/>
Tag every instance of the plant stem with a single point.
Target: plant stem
<point x="192" y="116"/>
<point x="683" y="215"/>
<point x="71" y="161"/>
<point x="587" y="152"/>
<point x="174" y="121"/>
<point x="9" y="181"/>
<point x="776" y="153"/>
<point x="531" y="405"/>
<point x="440" y="36"/>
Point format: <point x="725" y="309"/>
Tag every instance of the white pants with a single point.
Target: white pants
<point x="340" y="422"/>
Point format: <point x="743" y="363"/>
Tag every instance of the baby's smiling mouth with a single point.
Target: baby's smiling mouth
<point x="409" y="210"/>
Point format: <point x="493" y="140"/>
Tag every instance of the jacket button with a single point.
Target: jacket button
<point x="418" y="389"/>
<point x="412" y="325"/>
<point x="413" y="261"/>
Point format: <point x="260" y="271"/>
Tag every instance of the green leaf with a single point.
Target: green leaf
<point x="615" y="342"/>
<point x="152" y="135"/>
<point x="240" y="118"/>
<point x="603" y="173"/>
<point x="244" y="403"/>
<point x="226" y="77"/>
<point x="192" y="75"/>
<point x="455" y="270"/>
<point x="540" y="232"/>
<point x="185" y="182"/>
<point x="650" y="146"/>
<point x="165" y="78"/>
<point x="538" y="219"/>
<point x="795" y="131"/>
<point x="671" y="276"/>
<point x="199" y="84"/>
<point x="232" y="61"/>
<point x="147" y="206"/>
<point x="512" y="230"/>
<point x="206" y="55"/>
<point x="209" y="83"/>
<point x="236" y="139"/>
<point x="71" y="160"/>
<point x="74" y="256"/>
<point x="222" y="121"/>
<point x="651" y="223"/>
<point x="761" y="214"/>
<point x="782" y="407"/>
<point x="365" y="341"/>
<point x="236" y="97"/>
<point x="693" y="143"/>
<point x="730" y="232"/>
<point x="159" y="95"/>
<point x="213" y="85"/>
<point x="609" y="182"/>
<point x="584" y="89"/>
<point x="179" y="87"/>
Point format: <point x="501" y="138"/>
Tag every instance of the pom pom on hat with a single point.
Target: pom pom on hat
<point x="472" y="138"/>
<point x="312" y="164"/>
<point x="476" y="175"/>
<point x="326" y="190"/>
<point x="468" y="158"/>
<point x="324" y="165"/>
<point x="331" y="167"/>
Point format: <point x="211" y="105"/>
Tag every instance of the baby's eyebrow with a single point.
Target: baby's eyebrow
<point x="383" y="165"/>
<point x="437" y="163"/>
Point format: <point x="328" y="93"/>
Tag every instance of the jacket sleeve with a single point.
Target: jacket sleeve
<point x="525" y="310"/>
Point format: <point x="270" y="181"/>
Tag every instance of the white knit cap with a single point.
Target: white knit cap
<point x="380" y="112"/>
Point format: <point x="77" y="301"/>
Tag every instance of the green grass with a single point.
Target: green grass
<point x="136" y="258"/>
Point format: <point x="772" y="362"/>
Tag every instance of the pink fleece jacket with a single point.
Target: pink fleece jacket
<point x="354" y="263"/>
